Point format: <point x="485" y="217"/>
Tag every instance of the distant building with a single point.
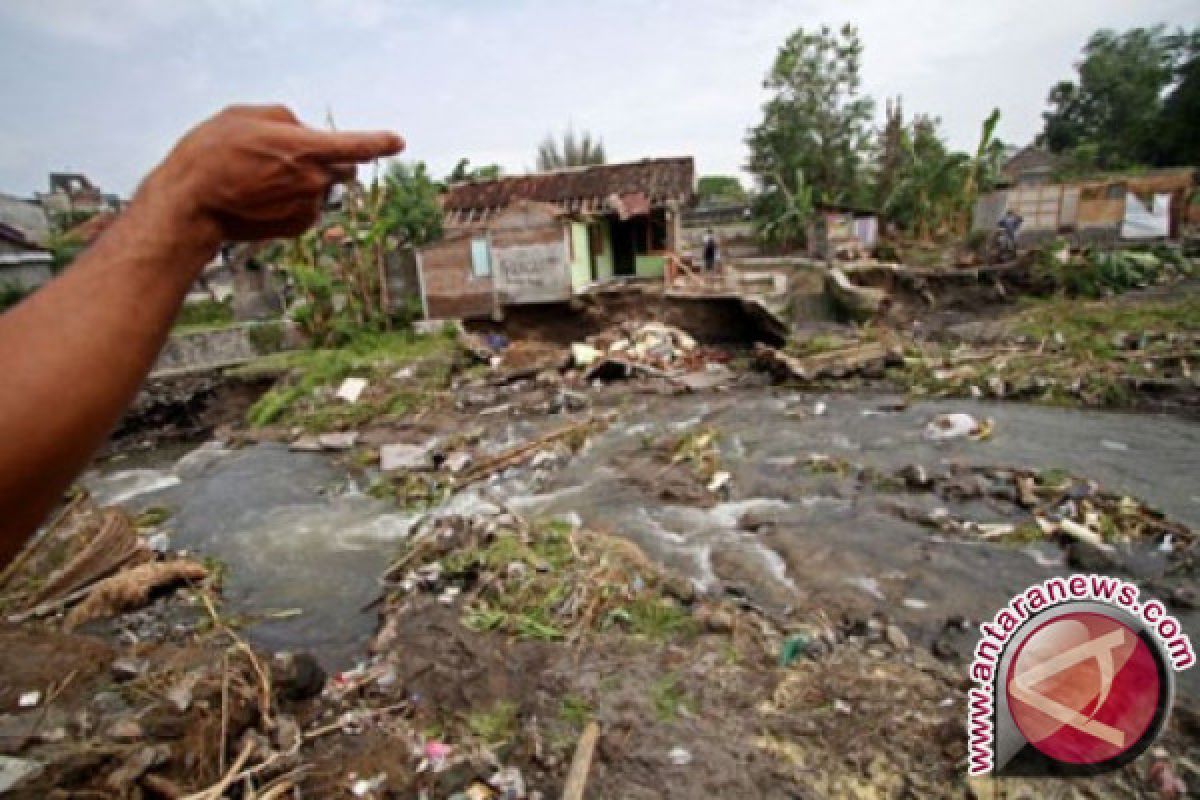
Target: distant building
<point x="542" y="238"/>
<point x="731" y="223"/>
<point x="24" y="264"/>
<point x="1030" y="166"/>
<point x="842" y="232"/>
<point x="74" y="193"/>
<point x="1155" y="204"/>
<point x="26" y="215"/>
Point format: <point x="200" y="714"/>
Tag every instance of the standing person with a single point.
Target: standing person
<point x="74" y="353"/>
<point x="710" y="251"/>
<point x="1010" y="224"/>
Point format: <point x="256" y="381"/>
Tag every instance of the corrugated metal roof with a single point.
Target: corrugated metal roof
<point x="578" y="190"/>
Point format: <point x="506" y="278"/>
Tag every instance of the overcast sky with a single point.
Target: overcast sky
<point x="105" y="86"/>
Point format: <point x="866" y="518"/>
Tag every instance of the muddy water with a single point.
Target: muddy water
<point x="293" y="532"/>
<point x="831" y="542"/>
<point x="296" y="535"/>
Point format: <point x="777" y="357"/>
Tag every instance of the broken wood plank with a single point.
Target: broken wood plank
<point x="522" y="452"/>
<point x="581" y="763"/>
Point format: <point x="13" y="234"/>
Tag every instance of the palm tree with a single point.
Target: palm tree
<point x="575" y="151"/>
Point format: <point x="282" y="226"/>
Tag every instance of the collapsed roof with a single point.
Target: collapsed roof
<point x="598" y="189"/>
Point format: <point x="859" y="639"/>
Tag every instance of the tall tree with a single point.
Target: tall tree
<point x="982" y="169"/>
<point x="717" y="189"/>
<point x="890" y="150"/>
<point x="463" y="171"/>
<point x="815" y="128"/>
<point x="408" y="204"/>
<point x="1110" y="113"/>
<point x="1178" y="142"/>
<point x="575" y="150"/>
<point x="927" y="195"/>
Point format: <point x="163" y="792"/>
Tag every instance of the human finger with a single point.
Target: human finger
<point x="347" y="147"/>
<point x="341" y="173"/>
<point x="274" y="112"/>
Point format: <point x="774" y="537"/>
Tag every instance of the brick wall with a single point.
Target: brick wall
<point x="452" y="291"/>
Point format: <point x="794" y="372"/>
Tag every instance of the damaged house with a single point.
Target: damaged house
<point x="1152" y="205"/>
<point x="24" y="265"/>
<point x="545" y="237"/>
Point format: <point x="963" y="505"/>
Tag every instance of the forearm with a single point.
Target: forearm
<point x="74" y="354"/>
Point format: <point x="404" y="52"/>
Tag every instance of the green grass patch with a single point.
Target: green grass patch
<point x="575" y="710"/>
<point x="204" y="315"/>
<point x="496" y="725"/>
<point x="1087" y="327"/>
<point x="669" y="698"/>
<point x="659" y="618"/>
<point x="816" y="344"/>
<point x="152" y="517"/>
<point x="304" y="396"/>
<point x="1053" y="477"/>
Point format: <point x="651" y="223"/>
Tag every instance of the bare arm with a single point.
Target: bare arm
<point x="73" y="355"/>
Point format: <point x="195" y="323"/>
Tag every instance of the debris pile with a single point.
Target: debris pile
<point x="419" y="476"/>
<point x="864" y="360"/>
<point x="89" y="564"/>
<point x="655" y="350"/>
<point x="1050" y="504"/>
<point x="1067" y="352"/>
<point x="548" y="581"/>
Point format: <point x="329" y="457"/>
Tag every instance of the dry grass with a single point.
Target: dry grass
<point x="132" y="588"/>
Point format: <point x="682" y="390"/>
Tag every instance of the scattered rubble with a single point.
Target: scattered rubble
<point x="489" y="674"/>
<point x="868" y="359"/>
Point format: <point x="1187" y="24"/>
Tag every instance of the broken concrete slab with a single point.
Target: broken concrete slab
<point x="867" y="357"/>
<point x="399" y="456"/>
<point x="15" y="770"/>
<point x="711" y="377"/>
<point x="338" y="441"/>
<point x="858" y="301"/>
<point x="306" y="444"/>
<point x="457" y="461"/>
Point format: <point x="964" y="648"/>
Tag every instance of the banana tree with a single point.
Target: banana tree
<point x="786" y="220"/>
<point x="981" y="169"/>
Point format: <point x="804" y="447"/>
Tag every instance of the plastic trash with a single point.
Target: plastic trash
<point x="719" y="481"/>
<point x="793" y="647"/>
<point x="584" y="355"/>
<point x="957" y="425"/>
<point x="680" y="756"/>
<point x="351" y="389"/>
<point x="364" y="786"/>
<point x="437" y="754"/>
<point x="159" y="542"/>
<point x="509" y="782"/>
